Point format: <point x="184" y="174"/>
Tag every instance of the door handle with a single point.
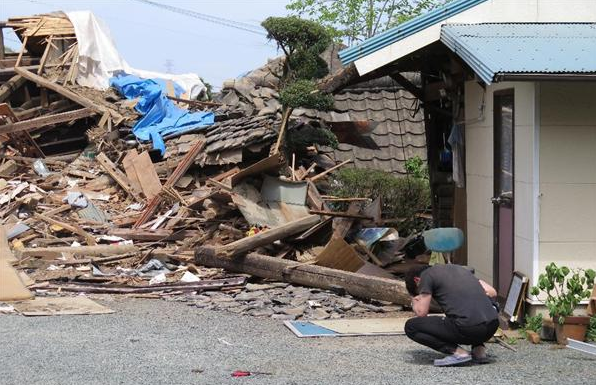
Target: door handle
<point x="496" y="200"/>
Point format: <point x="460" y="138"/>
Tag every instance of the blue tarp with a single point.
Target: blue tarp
<point x="160" y="115"/>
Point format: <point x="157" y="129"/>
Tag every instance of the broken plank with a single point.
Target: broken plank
<point x="211" y="284"/>
<point x="43" y="121"/>
<point x="267" y="237"/>
<point x="319" y="176"/>
<point x="56" y="252"/>
<point x="152" y="235"/>
<point x="69" y="227"/>
<point x="118" y="176"/>
<point x="342" y="214"/>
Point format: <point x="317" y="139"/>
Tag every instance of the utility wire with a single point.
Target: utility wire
<point x="212" y="19"/>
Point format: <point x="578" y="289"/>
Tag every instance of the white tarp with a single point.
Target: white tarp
<point x="99" y="60"/>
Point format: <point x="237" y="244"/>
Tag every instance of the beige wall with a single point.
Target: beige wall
<point x="479" y="173"/>
<point x="567" y="174"/>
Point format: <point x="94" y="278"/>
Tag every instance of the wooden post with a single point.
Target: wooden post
<point x="358" y="285"/>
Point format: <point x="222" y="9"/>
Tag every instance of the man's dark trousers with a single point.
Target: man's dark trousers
<point x="443" y="335"/>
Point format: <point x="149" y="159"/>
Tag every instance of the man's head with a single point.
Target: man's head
<point x="413" y="278"/>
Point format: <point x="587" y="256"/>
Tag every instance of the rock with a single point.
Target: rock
<point x="371" y="307"/>
<point x="257" y="286"/>
<point x="249" y="296"/>
<point x="319" y="314"/>
<point x="228" y="305"/>
<point x="359" y="309"/>
<point x="238" y="309"/>
<point x="296" y="311"/>
<point x="280" y="284"/>
<point x="222" y="299"/>
<point x="297" y="301"/>
<point x="392" y="308"/>
<point x="265" y="312"/>
<point x="255" y="305"/>
<point x="283" y="317"/>
<point x="280" y="300"/>
<point x="346" y="304"/>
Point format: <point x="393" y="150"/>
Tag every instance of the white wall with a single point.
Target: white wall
<point x="568" y="174"/>
<point x="479" y="173"/>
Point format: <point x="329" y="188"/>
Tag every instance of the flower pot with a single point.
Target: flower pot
<point x="574" y="327"/>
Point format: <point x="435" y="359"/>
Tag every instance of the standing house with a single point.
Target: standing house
<point x="516" y="81"/>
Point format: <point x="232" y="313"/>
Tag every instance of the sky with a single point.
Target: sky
<point x="156" y="39"/>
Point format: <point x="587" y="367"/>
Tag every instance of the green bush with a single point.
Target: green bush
<point x="296" y="34"/>
<point x="565" y="288"/>
<point x="533" y="323"/>
<point x="298" y="139"/>
<point x="402" y="197"/>
<point x="304" y="93"/>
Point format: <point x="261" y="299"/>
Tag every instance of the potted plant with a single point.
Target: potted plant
<point x="565" y="289"/>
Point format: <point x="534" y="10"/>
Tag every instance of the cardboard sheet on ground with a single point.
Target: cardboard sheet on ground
<point x="348" y="327"/>
<point x="42" y="306"/>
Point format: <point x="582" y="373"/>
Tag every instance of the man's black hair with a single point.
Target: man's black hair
<point x="414" y="272"/>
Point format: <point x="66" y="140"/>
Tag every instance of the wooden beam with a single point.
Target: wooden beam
<point x="408" y="85"/>
<point x="267" y="237"/>
<point x="69" y="227"/>
<point x="42" y="82"/>
<point x="358" y="285"/>
<point x="56" y="252"/>
<point x="43" y="121"/>
<point x="342" y="214"/>
<point x="319" y="176"/>
<point x="10" y="86"/>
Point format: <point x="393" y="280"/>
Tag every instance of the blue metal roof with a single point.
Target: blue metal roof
<point x="406" y="29"/>
<point x="523" y="48"/>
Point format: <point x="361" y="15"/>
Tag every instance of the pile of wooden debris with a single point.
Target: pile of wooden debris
<point x="85" y="207"/>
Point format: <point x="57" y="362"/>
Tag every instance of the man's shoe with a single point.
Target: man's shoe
<point x="482" y="360"/>
<point x="453" y="360"/>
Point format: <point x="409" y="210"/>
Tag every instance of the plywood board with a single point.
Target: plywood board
<point x="338" y="254"/>
<point x="12" y="287"/>
<point x="130" y="170"/>
<point x="146" y="174"/>
<point x="43" y="306"/>
<point x="365" y="325"/>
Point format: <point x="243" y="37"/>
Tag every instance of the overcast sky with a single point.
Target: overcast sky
<point x="147" y="36"/>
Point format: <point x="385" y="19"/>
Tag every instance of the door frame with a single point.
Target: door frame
<point x="496" y="170"/>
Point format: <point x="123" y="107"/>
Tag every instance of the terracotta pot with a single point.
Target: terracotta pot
<point x="574" y="327"/>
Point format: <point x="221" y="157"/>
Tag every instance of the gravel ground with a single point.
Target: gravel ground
<point x="160" y="342"/>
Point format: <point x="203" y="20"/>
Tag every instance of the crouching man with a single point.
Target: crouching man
<point x="471" y="318"/>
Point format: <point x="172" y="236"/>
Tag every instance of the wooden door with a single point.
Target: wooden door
<point x="503" y="197"/>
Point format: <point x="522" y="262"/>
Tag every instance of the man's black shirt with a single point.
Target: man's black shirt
<point x="459" y="293"/>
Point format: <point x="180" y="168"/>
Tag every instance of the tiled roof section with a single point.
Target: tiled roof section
<point x="399" y="132"/>
<point x="237" y="133"/>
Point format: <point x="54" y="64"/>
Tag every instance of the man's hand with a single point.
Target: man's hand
<point x="421" y="304"/>
<point x="488" y="289"/>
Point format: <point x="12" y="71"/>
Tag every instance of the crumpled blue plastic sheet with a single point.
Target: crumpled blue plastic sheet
<point x="160" y="115"/>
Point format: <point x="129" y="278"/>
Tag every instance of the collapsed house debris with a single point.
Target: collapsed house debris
<point x="98" y="195"/>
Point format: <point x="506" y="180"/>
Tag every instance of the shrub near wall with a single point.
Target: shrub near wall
<point x="402" y="197"/>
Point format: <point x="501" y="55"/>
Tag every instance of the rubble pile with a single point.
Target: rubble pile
<point x="219" y="218"/>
